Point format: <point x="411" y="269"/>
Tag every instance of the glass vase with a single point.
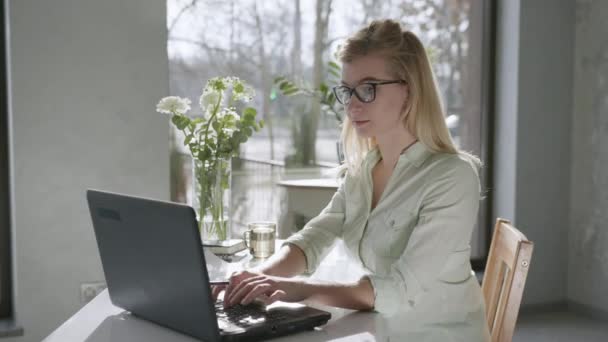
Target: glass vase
<point x="211" y="198"/>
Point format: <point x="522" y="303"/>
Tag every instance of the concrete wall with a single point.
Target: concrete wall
<point x="85" y="78"/>
<point x="588" y="250"/>
<point x="534" y="106"/>
<point x="552" y="145"/>
<point x="543" y="144"/>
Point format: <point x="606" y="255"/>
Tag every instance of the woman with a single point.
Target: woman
<point x="406" y="207"/>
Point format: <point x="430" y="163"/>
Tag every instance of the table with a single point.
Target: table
<point x="101" y="321"/>
<point x="306" y="197"/>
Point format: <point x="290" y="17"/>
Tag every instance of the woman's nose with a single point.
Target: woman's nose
<point x="354" y="104"/>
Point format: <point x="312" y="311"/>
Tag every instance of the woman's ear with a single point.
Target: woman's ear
<point x="405" y="108"/>
<point x="406" y="95"/>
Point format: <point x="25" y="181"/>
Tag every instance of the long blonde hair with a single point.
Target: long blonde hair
<point x="423" y="112"/>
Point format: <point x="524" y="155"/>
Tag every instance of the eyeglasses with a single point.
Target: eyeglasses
<point x="365" y="92"/>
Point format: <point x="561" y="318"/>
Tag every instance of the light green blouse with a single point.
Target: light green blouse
<point x="414" y="244"/>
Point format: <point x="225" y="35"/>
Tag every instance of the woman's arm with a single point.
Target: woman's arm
<point x="301" y="252"/>
<point x="354" y="296"/>
<point x="270" y="281"/>
<point x="289" y="261"/>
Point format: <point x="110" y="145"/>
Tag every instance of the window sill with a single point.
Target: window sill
<point x="9" y="328"/>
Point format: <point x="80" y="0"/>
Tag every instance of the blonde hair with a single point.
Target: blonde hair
<point x="423" y="112"/>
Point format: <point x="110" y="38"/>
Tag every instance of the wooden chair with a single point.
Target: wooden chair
<point x="504" y="279"/>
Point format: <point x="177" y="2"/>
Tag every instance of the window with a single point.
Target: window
<point x="260" y="40"/>
<point x="5" y="264"/>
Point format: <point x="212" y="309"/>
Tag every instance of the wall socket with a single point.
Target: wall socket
<point x="89" y="291"/>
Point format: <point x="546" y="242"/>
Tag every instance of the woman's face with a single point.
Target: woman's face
<point x="382" y="115"/>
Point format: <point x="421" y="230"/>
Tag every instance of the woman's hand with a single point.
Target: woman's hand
<point x="216" y="290"/>
<point x="246" y="286"/>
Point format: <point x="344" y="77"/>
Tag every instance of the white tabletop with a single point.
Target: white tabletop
<point x="101" y="321"/>
<point x="324" y="183"/>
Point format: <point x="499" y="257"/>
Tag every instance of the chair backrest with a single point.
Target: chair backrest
<point x="504" y="279"/>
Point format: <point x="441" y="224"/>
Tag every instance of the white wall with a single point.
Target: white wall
<point x="534" y="106"/>
<point x="588" y="251"/>
<point x="552" y="146"/>
<point x="85" y="78"/>
<point x="544" y="135"/>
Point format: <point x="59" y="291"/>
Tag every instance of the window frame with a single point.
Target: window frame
<point x="487" y="127"/>
<point x="6" y="294"/>
<point x="488" y="20"/>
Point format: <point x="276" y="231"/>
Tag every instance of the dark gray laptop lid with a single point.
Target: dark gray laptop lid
<point x="153" y="261"/>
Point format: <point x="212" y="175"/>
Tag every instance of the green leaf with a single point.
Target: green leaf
<point x="334" y="65"/>
<point x="279" y="79"/>
<point x="180" y="121"/>
<point x="249" y="113"/>
<point x="261" y="123"/>
<point x="331" y="100"/>
<point x="335" y="73"/>
<point x="291" y="92"/>
<point x="323" y="88"/>
<point x="235" y="144"/>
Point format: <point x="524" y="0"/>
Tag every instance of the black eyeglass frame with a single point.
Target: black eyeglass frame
<point x="353" y="90"/>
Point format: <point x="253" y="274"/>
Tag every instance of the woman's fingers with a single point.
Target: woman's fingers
<point x="234" y="281"/>
<point x="216" y="290"/>
<point x="256" y="292"/>
<point x="276" y="296"/>
<point x="264" y="294"/>
<point x="243" y="288"/>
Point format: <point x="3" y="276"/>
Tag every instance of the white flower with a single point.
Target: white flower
<point x="246" y="95"/>
<point x="173" y="105"/>
<point x="215" y="84"/>
<point x="240" y="91"/>
<point x="218" y="118"/>
<point x="229" y="131"/>
<point x="228" y="112"/>
<point x="208" y="101"/>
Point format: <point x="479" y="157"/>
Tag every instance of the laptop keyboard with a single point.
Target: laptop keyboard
<point x="248" y="315"/>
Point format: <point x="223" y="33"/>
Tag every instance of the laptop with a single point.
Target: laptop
<point x="155" y="268"/>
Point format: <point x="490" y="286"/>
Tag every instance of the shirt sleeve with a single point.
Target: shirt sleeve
<point x="438" y="248"/>
<point x="319" y="234"/>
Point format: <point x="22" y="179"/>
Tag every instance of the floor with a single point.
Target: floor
<point x="559" y="327"/>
